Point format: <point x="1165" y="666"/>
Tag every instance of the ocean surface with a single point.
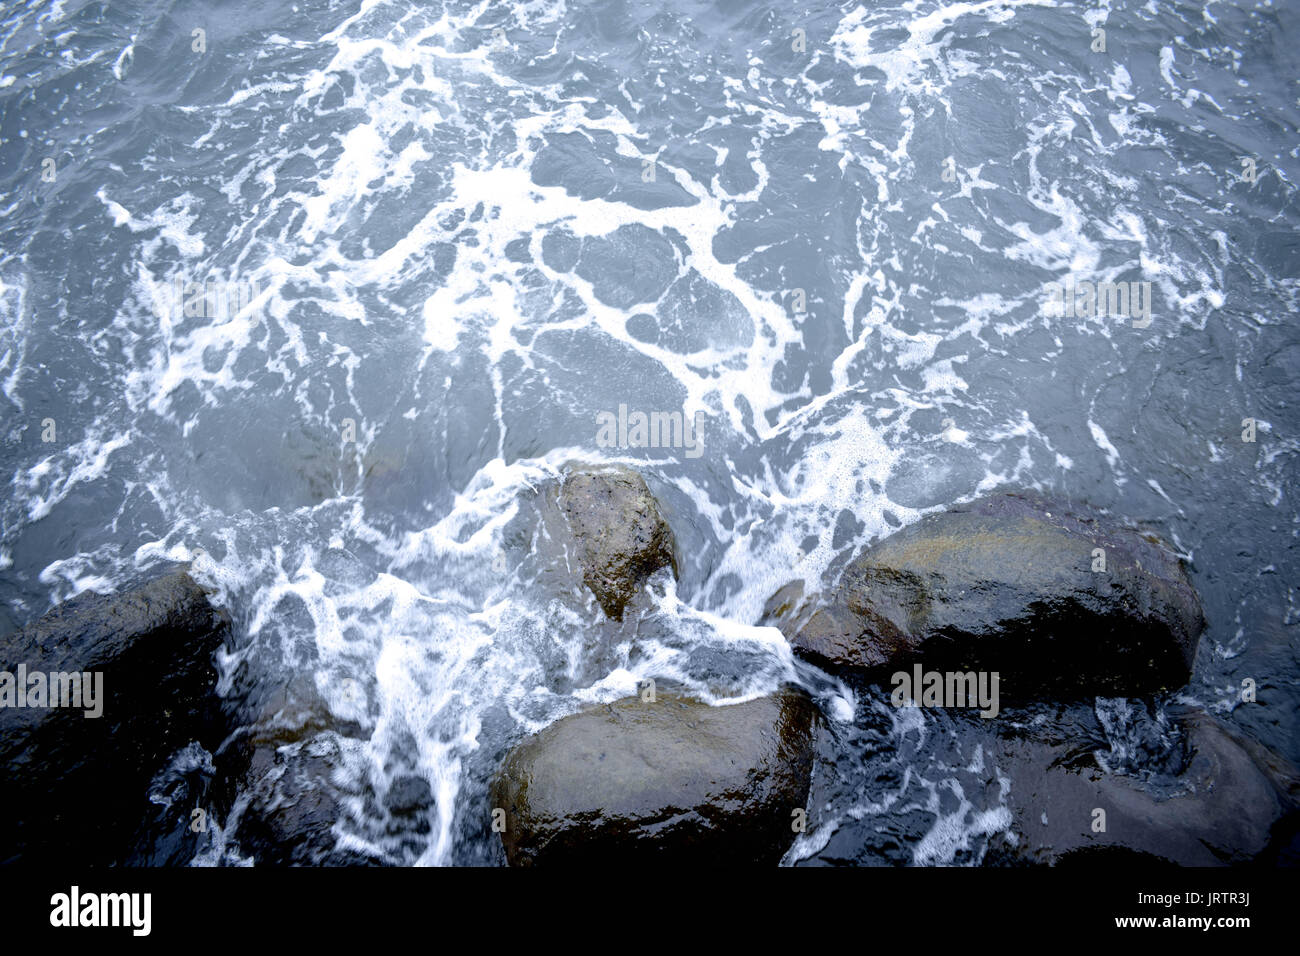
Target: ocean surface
<point x="314" y="294"/>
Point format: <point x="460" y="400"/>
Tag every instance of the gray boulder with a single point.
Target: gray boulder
<point x="1221" y="810"/>
<point x="671" y="781"/>
<point x="1006" y="584"/>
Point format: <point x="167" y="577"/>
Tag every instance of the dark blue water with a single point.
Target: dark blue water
<point x="442" y="238"/>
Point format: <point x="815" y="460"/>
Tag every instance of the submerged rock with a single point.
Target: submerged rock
<point x="1222" y="809"/>
<point x="1007" y="584"/>
<point x="277" y="781"/>
<point x="74" y="785"/>
<point x="669" y="781"/>
<point x="611" y="529"/>
<point x="294" y="804"/>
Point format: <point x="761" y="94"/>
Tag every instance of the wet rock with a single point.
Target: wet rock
<point x="74" y="786"/>
<point x="670" y="781"/>
<point x="294" y="805"/>
<point x="925" y="479"/>
<point x="1006" y="584"/>
<point x="604" y="523"/>
<point x="633" y="264"/>
<point x="694" y="315"/>
<point x="1223" y="809"/>
<point x="409" y="795"/>
<point x="278" y="781"/>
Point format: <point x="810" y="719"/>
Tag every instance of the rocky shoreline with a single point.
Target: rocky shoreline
<point x="1056" y="604"/>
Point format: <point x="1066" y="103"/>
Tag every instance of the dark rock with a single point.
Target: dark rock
<point x="614" y="529"/>
<point x="667" y="782"/>
<point x="74" y="786"/>
<point x="409" y="794"/>
<point x="294" y="804"/>
<point x="1006" y="584"/>
<point x="278" y="781"/>
<point x="1223" y="809"/>
<point x="1283" y="849"/>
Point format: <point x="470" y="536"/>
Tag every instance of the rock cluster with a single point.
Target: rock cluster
<point x="1063" y="605"/>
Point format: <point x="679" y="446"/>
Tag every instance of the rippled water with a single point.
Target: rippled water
<point x="453" y="234"/>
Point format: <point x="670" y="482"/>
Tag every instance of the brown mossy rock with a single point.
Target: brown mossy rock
<point x="1006" y="584"/>
<point x="616" y="532"/>
<point x="665" y="782"/>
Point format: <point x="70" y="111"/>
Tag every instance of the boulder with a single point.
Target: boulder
<point x="665" y="782"/>
<point x="1007" y="584"/>
<point x="74" y="785"/>
<point x="1223" y="809"/>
